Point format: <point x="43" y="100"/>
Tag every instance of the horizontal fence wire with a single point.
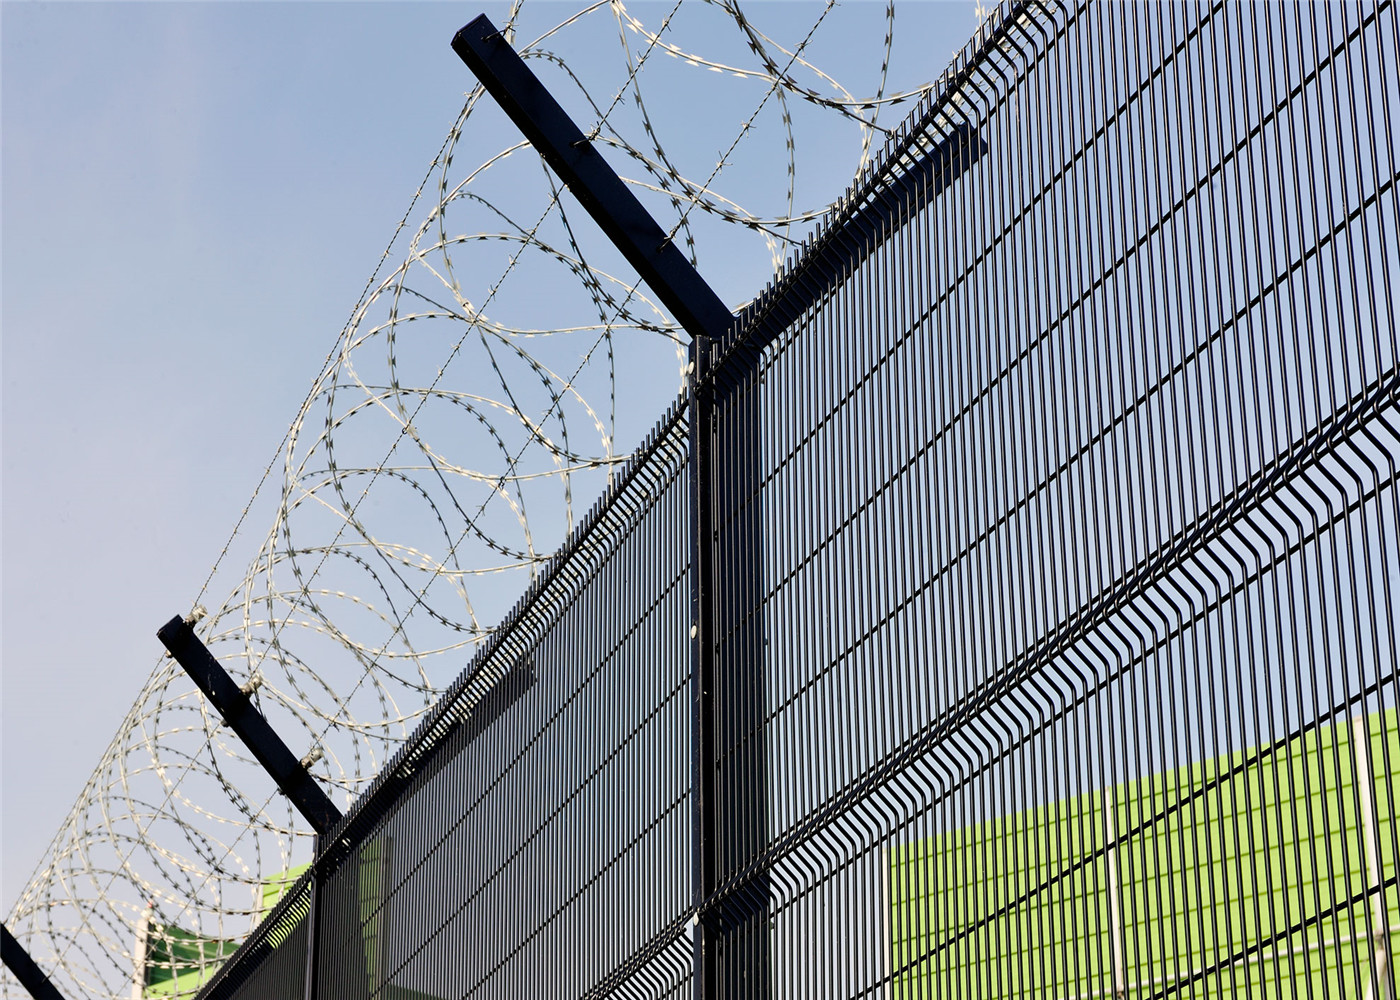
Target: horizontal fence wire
<point x="481" y="853"/>
<point x="1075" y="521"/>
<point x="1054" y="554"/>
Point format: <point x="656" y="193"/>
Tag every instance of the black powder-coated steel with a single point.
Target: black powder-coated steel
<point x="30" y="976"/>
<point x="248" y="723"/>
<point x="704" y="795"/>
<point x="597" y="187"/>
<point x="914" y="175"/>
<point x="1009" y="607"/>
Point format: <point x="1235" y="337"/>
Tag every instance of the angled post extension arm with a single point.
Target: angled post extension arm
<point x="252" y="728"/>
<point x="587" y="175"/>
<point x="30" y="976"/>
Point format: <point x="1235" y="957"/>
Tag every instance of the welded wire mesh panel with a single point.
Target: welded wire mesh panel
<point x="271" y="964"/>
<point x="538" y="834"/>
<point x="1031" y="576"/>
<point x="1070" y="529"/>
<point x="282" y="974"/>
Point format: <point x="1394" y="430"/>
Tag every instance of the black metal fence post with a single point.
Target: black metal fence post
<point x="729" y="766"/>
<point x="738" y="760"/>
<point x="313" y="905"/>
<point x="702" y="663"/>
<point x="729" y="761"/>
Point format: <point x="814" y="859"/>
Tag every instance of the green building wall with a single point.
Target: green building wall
<point x="1267" y="873"/>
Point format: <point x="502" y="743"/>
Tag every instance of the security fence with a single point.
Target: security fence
<point x="1007" y="610"/>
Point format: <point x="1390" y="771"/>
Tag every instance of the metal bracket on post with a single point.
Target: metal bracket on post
<point x="246" y="721"/>
<point x="30" y="976"/>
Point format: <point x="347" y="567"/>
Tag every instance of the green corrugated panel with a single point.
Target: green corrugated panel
<point x="1043" y="950"/>
<point x="1230" y="855"/>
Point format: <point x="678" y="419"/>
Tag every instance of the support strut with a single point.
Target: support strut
<point x="30" y="976"/>
<point x="252" y="728"/>
<point x="588" y="177"/>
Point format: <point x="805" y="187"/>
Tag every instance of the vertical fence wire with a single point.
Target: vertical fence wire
<point x="1081" y="669"/>
<point x="1054" y="539"/>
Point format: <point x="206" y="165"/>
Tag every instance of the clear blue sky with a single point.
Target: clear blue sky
<point x="193" y="197"/>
